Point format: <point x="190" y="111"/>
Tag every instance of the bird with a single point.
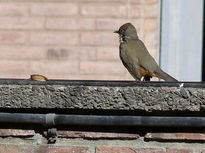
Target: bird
<point x="136" y="58"/>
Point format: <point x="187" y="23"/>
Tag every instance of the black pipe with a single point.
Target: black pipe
<point x="49" y="120"/>
<point x="130" y="121"/>
<point x="23" y="118"/>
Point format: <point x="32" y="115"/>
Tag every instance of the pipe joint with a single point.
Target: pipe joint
<point x="50" y="120"/>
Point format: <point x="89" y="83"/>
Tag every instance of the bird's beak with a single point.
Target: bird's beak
<point x="116" y="31"/>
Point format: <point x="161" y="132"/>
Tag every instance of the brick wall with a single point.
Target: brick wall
<point x="71" y="39"/>
<point x="24" y="141"/>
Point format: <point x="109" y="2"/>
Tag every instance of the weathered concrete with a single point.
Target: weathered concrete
<point x="102" y="95"/>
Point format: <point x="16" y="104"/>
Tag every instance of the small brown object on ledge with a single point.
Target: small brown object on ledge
<point x="37" y="77"/>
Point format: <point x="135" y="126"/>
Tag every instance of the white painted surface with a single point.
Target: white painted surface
<point x="181" y="39"/>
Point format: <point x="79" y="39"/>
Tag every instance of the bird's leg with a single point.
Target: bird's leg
<point x="147" y="78"/>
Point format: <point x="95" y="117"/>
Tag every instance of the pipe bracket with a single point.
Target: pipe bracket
<point x="52" y="135"/>
<point x="52" y="130"/>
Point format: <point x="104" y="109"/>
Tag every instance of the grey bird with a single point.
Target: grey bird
<point x="136" y="58"/>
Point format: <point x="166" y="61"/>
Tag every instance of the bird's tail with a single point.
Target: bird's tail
<point x="166" y="77"/>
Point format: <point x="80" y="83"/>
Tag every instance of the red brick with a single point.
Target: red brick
<point x="53" y="38"/>
<point x="66" y="53"/>
<point x="136" y="2"/>
<point x="95" y="135"/>
<point x="54" y="67"/>
<point x="108" y="53"/>
<point x="150" y="150"/>
<point x="105" y="76"/>
<point x="11" y="148"/>
<point x="15" y="9"/>
<point x="174" y="150"/>
<point x="80" y="76"/>
<point x="19" y="22"/>
<point x="40" y="52"/>
<point x="176" y="136"/>
<point x="151" y="24"/>
<point x="14" y="67"/>
<point x="135" y="10"/>
<point x="99" y="38"/>
<point x="113" y="77"/>
<point x="203" y="151"/>
<point x="14" y="132"/>
<point x="100" y="1"/>
<point x="152" y="10"/>
<point x="20" y="148"/>
<point x="87" y="53"/>
<point x="13" y="37"/>
<point x="19" y="52"/>
<point x="104" y="10"/>
<point x="151" y="1"/>
<point x="26" y="75"/>
<point x="70" y="23"/>
<point x="107" y="68"/>
<point x="71" y="53"/>
<point x="105" y="149"/>
<point x="44" y="67"/>
<point x="110" y="24"/>
<point x="68" y="149"/>
<point x="15" y="76"/>
<point x="68" y="76"/>
<point x="54" y="9"/>
<point x="41" y="149"/>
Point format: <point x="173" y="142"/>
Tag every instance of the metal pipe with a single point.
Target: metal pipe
<point x="95" y="120"/>
<point x="22" y="118"/>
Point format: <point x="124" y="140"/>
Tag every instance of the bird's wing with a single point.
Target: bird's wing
<point x="145" y="59"/>
<point x="149" y="64"/>
<point x="129" y="62"/>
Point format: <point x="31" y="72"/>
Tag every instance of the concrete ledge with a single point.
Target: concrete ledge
<point x="102" y="95"/>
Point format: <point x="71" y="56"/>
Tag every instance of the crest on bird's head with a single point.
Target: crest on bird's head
<point x="127" y="31"/>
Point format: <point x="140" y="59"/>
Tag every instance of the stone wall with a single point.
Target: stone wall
<point x="71" y="39"/>
<point x="103" y="95"/>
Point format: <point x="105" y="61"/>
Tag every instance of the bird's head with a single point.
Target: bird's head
<point x="127" y="32"/>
